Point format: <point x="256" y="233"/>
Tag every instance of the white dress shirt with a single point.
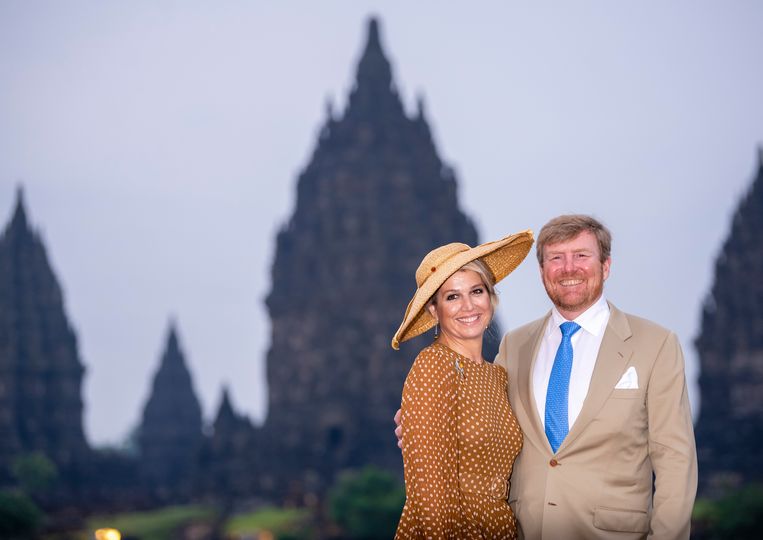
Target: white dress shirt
<point x="585" y="348"/>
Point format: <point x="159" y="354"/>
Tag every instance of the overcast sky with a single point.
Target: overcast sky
<point x="158" y="143"/>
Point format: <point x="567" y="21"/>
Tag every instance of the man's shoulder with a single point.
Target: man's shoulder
<point x="638" y="325"/>
<point x="516" y="339"/>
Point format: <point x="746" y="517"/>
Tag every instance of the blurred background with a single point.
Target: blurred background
<point x="214" y="212"/>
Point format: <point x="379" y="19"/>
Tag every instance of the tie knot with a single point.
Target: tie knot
<point x="568" y="328"/>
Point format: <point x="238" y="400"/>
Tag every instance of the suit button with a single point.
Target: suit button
<point x="553" y="463"/>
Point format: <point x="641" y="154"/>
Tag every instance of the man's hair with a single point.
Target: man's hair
<point x="567" y="227"/>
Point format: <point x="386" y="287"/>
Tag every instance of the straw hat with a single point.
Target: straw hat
<point x="501" y="257"/>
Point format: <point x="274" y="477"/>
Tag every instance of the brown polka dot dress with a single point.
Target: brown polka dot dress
<point x="460" y="439"/>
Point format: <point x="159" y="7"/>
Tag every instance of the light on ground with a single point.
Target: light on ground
<point x="108" y="534"/>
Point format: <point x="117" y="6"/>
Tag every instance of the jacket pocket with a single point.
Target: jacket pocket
<point x="614" y="519"/>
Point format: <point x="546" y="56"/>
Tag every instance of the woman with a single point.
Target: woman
<point x="460" y="436"/>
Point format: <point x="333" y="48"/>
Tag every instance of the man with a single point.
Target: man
<point x="628" y="415"/>
<point x="601" y="398"/>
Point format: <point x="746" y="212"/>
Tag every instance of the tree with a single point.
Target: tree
<point x="367" y="503"/>
<point x="738" y="515"/>
<point x="34" y="472"/>
<point x="19" y="517"/>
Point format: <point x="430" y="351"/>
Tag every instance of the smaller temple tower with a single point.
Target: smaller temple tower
<point x="170" y="435"/>
<point x="40" y="370"/>
<point x="233" y="458"/>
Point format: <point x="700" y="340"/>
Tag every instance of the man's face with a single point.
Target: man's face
<point x="573" y="274"/>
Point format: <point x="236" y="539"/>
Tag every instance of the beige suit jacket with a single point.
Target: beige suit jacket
<point x="599" y="484"/>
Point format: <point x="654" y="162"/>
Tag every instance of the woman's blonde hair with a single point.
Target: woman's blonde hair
<point x="487" y="279"/>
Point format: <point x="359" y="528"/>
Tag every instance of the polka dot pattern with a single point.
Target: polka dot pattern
<point x="460" y="439"/>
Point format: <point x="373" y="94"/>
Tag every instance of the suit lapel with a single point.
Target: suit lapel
<point x="614" y="354"/>
<point x="529" y="350"/>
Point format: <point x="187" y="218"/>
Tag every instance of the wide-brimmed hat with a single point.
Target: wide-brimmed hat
<point x="501" y="257"/>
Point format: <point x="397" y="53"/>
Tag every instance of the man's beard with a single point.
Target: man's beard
<point x="557" y="298"/>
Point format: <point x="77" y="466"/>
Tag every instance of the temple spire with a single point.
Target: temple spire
<point x="225" y="411"/>
<point x="421" y="107"/>
<point x="374" y="90"/>
<point x="373" y="63"/>
<point x="20" y="212"/>
<point x="172" y="350"/>
<point x="19" y="224"/>
<point x="373" y="34"/>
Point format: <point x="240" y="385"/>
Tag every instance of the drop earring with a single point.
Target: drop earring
<point x="436" y="330"/>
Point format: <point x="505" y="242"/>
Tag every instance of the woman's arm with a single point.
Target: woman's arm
<point x="430" y="447"/>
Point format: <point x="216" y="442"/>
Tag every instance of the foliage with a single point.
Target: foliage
<point x="155" y="524"/>
<point x="19" y="516"/>
<point x="35" y="472"/>
<point x="738" y="515"/>
<point x="367" y="503"/>
<point x="282" y="523"/>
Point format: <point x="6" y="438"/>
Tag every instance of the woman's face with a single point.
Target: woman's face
<point x="462" y="307"/>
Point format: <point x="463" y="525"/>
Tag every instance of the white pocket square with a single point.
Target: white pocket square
<point x="629" y="380"/>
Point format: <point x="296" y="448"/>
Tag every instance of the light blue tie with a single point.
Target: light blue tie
<point x="557" y="425"/>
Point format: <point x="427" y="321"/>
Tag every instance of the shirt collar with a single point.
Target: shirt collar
<point x="593" y="320"/>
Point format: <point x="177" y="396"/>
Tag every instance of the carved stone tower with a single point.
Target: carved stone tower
<point x="373" y="200"/>
<point x="233" y="459"/>
<point x="170" y="434"/>
<point x="40" y="369"/>
<point x="730" y="347"/>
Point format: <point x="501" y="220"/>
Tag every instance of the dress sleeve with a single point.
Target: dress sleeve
<point x="430" y="447"/>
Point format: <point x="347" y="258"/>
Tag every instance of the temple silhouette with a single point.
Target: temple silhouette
<point x="729" y="430"/>
<point x="373" y="200"/>
<point x="170" y="433"/>
<point x="40" y="368"/>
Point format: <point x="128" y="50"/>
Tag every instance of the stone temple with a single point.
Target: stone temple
<point x="729" y="430"/>
<point x="374" y="198"/>
<point x="170" y="435"/>
<point x="40" y="369"/>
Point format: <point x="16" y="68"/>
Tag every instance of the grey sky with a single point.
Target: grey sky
<point x="159" y="144"/>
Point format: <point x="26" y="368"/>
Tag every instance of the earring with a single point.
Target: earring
<point x="436" y="332"/>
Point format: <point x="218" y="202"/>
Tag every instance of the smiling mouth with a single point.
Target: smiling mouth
<point x="570" y="282"/>
<point x="469" y="320"/>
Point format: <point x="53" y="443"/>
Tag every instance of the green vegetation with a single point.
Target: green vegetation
<point x="367" y="503"/>
<point x="19" y="516"/>
<point x="156" y="524"/>
<point x="34" y="472"/>
<point x="738" y="515"/>
<point x="282" y="523"/>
